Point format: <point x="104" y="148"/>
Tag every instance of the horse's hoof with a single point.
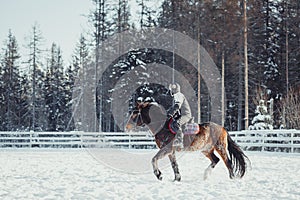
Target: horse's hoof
<point x="158" y="174"/>
<point x="177" y="177"/>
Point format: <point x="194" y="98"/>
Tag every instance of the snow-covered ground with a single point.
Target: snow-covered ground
<point x="115" y="174"/>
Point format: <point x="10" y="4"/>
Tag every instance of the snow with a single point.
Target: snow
<point x="127" y="174"/>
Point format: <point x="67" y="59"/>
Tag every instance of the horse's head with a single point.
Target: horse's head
<point x="151" y="114"/>
<point x="139" y="116"/>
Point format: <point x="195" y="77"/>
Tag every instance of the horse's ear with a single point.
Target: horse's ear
<point x="139" y="104"/>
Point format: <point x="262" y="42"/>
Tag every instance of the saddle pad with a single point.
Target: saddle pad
<point x="191" y="129"/>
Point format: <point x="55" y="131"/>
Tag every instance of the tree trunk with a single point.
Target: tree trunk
<point x="246" y="65"/>
<point x="223" y="88"/>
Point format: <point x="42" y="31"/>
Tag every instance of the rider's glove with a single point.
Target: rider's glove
<point x="169" y="116"/>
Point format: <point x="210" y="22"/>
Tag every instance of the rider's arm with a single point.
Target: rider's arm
<point x="178" y="100"/>
<point x="171" y="112"/>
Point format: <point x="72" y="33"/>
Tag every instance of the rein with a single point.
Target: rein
<point x="155" y="126"/>
<point x="137" y="118"/>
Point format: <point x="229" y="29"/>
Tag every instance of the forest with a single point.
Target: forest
<point x="41" y="99"/>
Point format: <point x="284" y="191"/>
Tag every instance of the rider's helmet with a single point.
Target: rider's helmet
<point x="174" y="88"/>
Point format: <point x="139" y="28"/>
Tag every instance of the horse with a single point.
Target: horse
<point x="211" y="137"/>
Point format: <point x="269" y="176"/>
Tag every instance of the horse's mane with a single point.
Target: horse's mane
<point x="162" y="110"/>
<point x="204" y="124"/>
<point x="154" y="103"/>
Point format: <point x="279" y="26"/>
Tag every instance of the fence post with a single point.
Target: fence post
<point x="292" y="142"/>
<point x="263" y="142"/>
<point x="30" y="138"/>
<point x="81" y="139"/>
<point x="129" y="140"/>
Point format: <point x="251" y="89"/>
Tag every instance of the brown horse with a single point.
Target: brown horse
<point x="211" y="137"/>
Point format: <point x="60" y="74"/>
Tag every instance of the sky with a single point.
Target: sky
<point x="60" y="21"/>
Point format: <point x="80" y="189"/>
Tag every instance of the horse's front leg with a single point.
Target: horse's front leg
<point x="160" y="154"/>
<point x="172" y="158"/>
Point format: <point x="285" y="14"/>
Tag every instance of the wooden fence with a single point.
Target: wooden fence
<point x="76" y="140"/>
<point x="268" y="140"/>
<point x="256" y="140"/>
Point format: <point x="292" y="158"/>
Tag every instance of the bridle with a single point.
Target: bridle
<point x="137" y="118"/>
<point x="139" y="121"/>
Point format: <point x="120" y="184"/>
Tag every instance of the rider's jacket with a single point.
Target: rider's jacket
<point x="183" y="105"/>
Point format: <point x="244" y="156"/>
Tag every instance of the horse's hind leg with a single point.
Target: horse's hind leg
<point x="214" y="160"/>
<point x="175" y="166"/>
<point x="222" y="151"/>
<point x="160" y="154"/>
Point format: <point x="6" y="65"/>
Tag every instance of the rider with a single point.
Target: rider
<point x="180" y="108"/>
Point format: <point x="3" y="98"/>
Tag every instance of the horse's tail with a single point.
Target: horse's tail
<point x="237" y="158"/>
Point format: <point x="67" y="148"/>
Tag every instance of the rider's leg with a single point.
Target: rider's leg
<point x="179" y="134"/>
<point x="179" y="138"/>
<point x="178" y="142"/>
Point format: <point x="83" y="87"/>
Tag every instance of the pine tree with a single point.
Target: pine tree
<point x="291" y="42"/>
<point x="120" y="23"/>
<point x="2" y="99"/>
<point x="54" y="91"/>
<point x="10" y="85"/>
<point x="68" y="87"/>
<point x="268" y="48"/>
<point x="102" y="29"/>
<point x="36" y="75"/>
<point x="23" y="105"/>
<point x="217" y="27"/>
<point x="122" y="13"/>
<point x="41" y="122"/>
<point x="147" y="15"/>
<point x="272" y="71"/>
<point x="80" y="69"/>
<point x="263" y="119"/>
